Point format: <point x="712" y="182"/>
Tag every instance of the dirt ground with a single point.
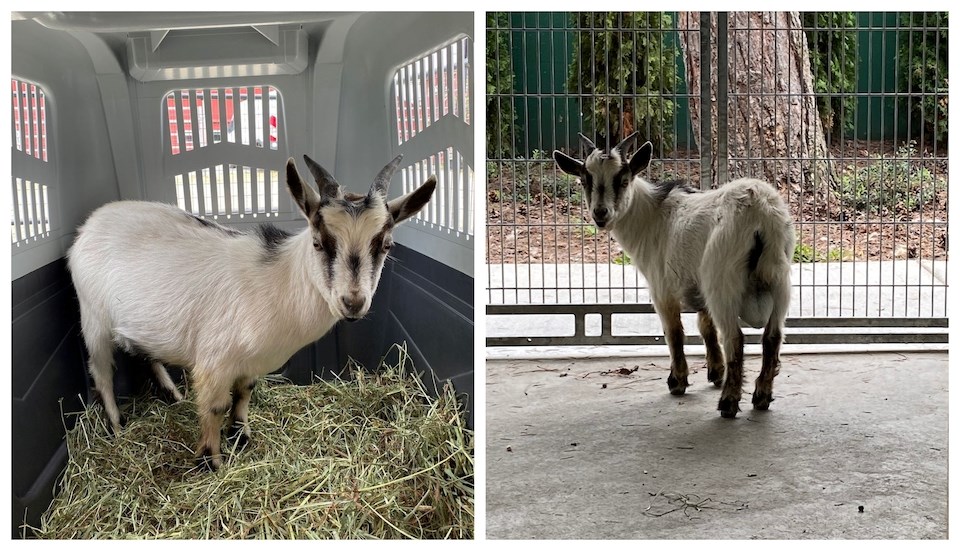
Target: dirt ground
<point x="853" y="447"/>
<point x="535" y="213"/>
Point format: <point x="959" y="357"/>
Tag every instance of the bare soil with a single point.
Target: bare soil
<point x="535" y="213"/>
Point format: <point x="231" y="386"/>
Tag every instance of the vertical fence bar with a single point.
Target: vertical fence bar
<point x="706" y="116"/>
<point x="723" y="85"/>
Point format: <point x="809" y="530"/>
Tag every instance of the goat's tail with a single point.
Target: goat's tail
<point x="768" y="264"/>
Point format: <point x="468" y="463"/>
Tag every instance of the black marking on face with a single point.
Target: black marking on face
<point x="663" y="189"/>
<point x="271" y="238"/>
<point x="355" y="265"/>
<point x="378" y="243"/>
<point x="620" y="182"/>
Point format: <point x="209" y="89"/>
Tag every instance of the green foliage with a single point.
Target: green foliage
<point x="922" y="69"/>
<point x="587" y="229"/>
<point x="898" y="184"/>
<point x="500" y="77"/>
<point x="625" y="67"/>
<point x="805" y="253"/>
<point x="621" y="259"/>
<point x="832" y="42"/>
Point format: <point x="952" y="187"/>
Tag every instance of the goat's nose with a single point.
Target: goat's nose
<point x="352" y="303"/>
<point x="600" y="215"/>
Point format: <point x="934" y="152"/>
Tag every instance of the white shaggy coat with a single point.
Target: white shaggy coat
<point x="724" y="253"/>
<point x="229" y="306"/>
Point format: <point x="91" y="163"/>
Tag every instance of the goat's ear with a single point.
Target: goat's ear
<point x="406" y="206"/>
<point x="641" y="159"/>
<point x="568" y="164"/>
<point x="329" y="188"/>
<point x="303" y="193"/>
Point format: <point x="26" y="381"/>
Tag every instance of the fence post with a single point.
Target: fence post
<point x="723" y="86"/>
<point x="706" y="146"/>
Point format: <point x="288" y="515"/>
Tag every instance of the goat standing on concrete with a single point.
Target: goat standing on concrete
<point x="229" y="306"/>
<point x="724" y="253"/>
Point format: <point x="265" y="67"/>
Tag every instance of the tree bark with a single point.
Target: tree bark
<point x="774" y="129"/>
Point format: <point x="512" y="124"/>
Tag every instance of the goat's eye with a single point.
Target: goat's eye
<point x="317" y="245"/>
<point x="387" y="244"/>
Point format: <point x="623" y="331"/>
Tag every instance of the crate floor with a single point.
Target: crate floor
<point x="592" y="448"/>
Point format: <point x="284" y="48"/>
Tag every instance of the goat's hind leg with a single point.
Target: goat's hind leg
<point x="169" y="391"/>
<point x="763" y="393"/>
<point x="711" y="342"/>
<point x="100" y="348"/>
<point x="673" y="331"/>
<point x="239" y="430"/>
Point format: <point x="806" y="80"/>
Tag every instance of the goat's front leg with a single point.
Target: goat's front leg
<point x="714" y="354"/>
<point x="669" y="311"/>
<point x="239" y="429"/>
<point x="213" y="401"/>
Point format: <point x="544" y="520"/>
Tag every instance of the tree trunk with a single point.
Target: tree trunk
<point x="774" y="129"/>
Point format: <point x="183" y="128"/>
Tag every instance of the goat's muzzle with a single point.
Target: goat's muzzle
<point x="600" y="216"/>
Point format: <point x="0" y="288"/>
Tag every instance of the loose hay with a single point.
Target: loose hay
<point x="371" y="457"/>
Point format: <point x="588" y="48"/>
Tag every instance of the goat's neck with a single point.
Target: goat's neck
<point x="304" y="301"/>
<point x="640" y="229"/>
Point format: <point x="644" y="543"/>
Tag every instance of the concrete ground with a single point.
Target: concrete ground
<point x="598" y="449"/>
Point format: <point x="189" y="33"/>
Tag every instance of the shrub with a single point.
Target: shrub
<point x="832" y="41"/>
<point x="625" y="67"/>
<point x="898" y="184"/>
<point x="922" y="69"/>
<point x="500" y="113"/>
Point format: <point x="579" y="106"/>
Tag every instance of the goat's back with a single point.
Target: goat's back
<point x="170" y="285"/>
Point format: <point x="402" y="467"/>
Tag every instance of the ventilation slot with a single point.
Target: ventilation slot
<point x="432" y="87"/>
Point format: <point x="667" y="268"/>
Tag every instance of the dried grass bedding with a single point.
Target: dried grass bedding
<point x="370" y="456"/>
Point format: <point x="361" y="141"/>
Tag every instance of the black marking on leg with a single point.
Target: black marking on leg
<point x="235" y="435"/>
<point x="728" y="407"/>
<point x="715" y="375"/>
<point x="205" y="460"/>
<point x="677" y="386"/>
<point x="762" y="399"/>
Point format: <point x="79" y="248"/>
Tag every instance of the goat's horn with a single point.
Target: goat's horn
<point x="628" y="144"/>
<point x="382" y="182"/>
<point x="588" y="146"/>
<point x="329" y="188"/>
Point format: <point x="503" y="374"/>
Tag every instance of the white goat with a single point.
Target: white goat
<point x="724" y="253"/>
<point x="229" y="306"/>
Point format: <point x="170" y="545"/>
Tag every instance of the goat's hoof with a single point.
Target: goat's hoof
<point x="237" y="437"/>
<point x="761" y="400"/>
<point x="206" y="461"/>
<point x="115" y="429"/>
<point x="168" y="397"/>
<point x="728" y="408"/>
<point x="715" y="376"/>
<point x="677" y="386"/>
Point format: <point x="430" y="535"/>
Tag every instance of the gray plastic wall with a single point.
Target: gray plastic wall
<point x="106" y="143"/>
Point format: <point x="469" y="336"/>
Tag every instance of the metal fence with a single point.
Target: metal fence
<point x="868" y="190"/>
